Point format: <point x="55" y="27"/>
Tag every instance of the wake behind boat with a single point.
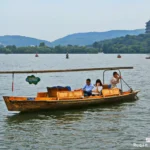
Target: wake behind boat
<point x="57" y="98"/>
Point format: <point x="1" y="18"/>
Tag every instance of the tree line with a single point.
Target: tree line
<point x="127" y="44"/>
<point x="43" y="49"/>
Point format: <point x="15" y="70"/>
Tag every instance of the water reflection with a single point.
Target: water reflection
<point x="64" y="116"/>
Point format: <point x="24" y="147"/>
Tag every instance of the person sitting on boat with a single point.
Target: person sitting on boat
<point x="87" y="89"/>
<point x="97" y="88"/>
<point x="115" y="80"/>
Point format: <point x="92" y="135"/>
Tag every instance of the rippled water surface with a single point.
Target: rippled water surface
<point x="122" y="126"/>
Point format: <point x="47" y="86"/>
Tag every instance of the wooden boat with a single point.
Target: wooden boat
<point x="119" y="56"/>
<point x="48" y="103"/>
<point x="62" y="98"/>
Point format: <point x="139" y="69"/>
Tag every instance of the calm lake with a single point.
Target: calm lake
<point x="122" y="126"/>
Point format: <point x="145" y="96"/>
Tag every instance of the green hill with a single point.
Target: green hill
<point x="20" y="41"/>
<point x="79" y="39"/>
<point x="127" y="44"/>
<point x="91" y="37"/>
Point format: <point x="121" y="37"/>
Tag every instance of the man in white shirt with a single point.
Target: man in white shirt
<point x="115" y="80"/>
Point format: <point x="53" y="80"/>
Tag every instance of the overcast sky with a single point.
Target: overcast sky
<point x="53" y="19"/>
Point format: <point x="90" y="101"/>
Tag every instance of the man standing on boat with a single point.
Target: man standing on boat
<point x="115" y="80"/>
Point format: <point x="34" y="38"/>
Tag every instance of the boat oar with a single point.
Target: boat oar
<point x="127" y="84"/>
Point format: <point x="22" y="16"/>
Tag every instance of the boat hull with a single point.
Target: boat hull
<point x="147" y="57"/>
<point x="31" y="105"/>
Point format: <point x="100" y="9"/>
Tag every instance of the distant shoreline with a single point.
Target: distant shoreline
<point x="73" y="53"/>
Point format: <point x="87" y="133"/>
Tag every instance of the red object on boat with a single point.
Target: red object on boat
<point x="119" y="56"/>
<point x="36" y="55"/>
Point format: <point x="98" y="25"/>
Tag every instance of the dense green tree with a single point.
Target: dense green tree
<point x="127" y="44"/>
<point x="46" y="50"/>
<point x="42" y="44"/>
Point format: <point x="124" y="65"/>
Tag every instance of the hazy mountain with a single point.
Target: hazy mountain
<point x="21" y="41"/>
<point x="73" y="39"/>
<point x="90" y="37"/>
<point x="127" y="44"/>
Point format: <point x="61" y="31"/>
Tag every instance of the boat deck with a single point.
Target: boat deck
<point x="29" y="98"/>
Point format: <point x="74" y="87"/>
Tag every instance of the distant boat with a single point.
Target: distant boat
<point x="147" y="57"/>
<point x="119" y="56"/>
<point x="67" y="56"/>
<point x="36" y="55"/>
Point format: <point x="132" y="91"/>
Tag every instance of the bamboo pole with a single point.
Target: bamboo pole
<point x="65" y="70"/>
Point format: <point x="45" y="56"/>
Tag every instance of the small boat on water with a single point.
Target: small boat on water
<point x="67" y="56"/>
<point x="36" y="55"/>
<point x="58" y="98"/>
<point x="119" y="56"/>
<point x="147" y="57"/>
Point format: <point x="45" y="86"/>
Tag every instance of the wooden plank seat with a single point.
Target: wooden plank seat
<point x="64" y="95"/>
<point x="106" y="86"/>
<point x="110" y="92"/>
<point x="52" y="91"/>
<point x="42" y="94"/>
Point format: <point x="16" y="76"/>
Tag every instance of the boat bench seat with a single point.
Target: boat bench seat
<point x="105" y="86"/>
<point x="110" y="92"/>
<point x="52" y="91"/>
<point x="42" y="94"/>
<point x="64" y="95"/>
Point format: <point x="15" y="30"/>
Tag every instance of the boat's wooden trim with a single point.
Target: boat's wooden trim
<point x="65" y="70"/>
<point x="33" y="105"/>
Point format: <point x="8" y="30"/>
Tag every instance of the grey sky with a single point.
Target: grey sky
<point x="52" y="19"/>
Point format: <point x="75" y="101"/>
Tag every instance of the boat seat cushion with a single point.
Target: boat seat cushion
<point x="110" y="92"/>
<point x="69" y="95"/>
<point x="52" y="91"/>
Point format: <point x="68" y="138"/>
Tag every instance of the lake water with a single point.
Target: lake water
<point x="123" y="126"/>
